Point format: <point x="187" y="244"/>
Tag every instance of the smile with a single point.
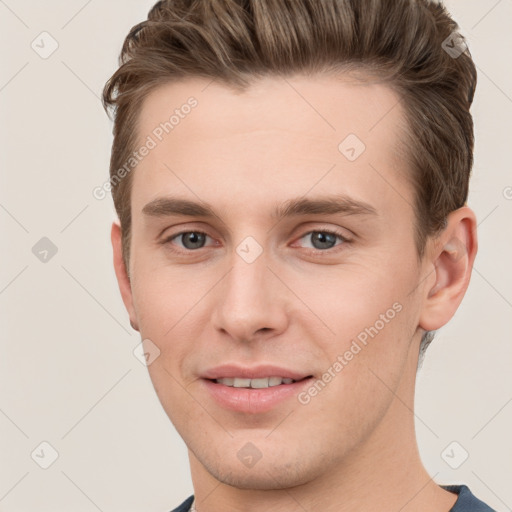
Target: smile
<point x="265" y="382"/>
<point x="253" y="391"/>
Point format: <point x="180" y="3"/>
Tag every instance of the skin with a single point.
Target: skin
<point x="353" y="446"/>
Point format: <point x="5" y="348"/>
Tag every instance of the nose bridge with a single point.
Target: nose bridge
<point x="247" y="282"/>
<point x="249" y="300"/>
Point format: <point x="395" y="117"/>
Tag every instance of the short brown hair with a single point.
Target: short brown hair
<point x="412" y="45"/>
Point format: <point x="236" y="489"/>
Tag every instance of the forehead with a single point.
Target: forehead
<point x="207" y="137"/>
<point x="323" y="106"/>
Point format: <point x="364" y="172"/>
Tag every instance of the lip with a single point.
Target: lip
<point x="250" y="400"/>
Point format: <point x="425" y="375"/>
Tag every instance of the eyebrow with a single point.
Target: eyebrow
<point x="323" y="205"/>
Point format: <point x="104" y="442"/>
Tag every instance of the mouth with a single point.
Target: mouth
<point x="259" y="383"/>
<point x="253" y="391"/>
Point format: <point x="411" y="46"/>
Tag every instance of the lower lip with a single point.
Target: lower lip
<point x="250" y="400"/>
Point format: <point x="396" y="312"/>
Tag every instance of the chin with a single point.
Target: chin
<point x="264" y="475"/>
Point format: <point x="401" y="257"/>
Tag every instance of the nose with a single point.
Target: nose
<point x="251" y="303"/>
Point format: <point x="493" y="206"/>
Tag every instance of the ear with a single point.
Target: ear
<point x="122" y="275"/>
<point x="451" y="257"/>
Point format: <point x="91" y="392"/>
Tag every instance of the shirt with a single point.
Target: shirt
<point x="466" y="502"/>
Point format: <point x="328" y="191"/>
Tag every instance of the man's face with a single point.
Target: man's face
<point x="258" y="290"/>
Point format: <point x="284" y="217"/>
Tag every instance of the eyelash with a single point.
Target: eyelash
<point x="335" y="233"/>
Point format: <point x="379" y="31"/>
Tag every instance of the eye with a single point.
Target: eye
<point x="321" y="240"/>
<point x="190" y="240"/>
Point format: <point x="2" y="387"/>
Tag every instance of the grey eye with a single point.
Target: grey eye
<point x="321" y="240"/>
<point x="192" y="239"/>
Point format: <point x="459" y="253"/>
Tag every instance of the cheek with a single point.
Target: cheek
<point x="374" y="317"/>
<point x="359" y="302"/>
<point x="170" y="315"/>
<point x="163" y="298"/>
<point x="163" y="311"/>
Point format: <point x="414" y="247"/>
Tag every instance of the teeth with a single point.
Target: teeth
<point x="262" y="383"/>
<point x="259" y="383"/>
<point x="274" y="381"/>
<point x="241" y="383"/>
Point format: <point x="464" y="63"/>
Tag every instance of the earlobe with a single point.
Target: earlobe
<point x="452" y="260"/>
<point x="122" y="274"/>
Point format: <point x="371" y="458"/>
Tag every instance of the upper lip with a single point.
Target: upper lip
<point x="254" y="372"/>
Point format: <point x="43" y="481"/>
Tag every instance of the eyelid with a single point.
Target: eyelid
<point x="186" y="227"/>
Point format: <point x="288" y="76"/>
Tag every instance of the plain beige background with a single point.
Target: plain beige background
<point x="68" y="375"/>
